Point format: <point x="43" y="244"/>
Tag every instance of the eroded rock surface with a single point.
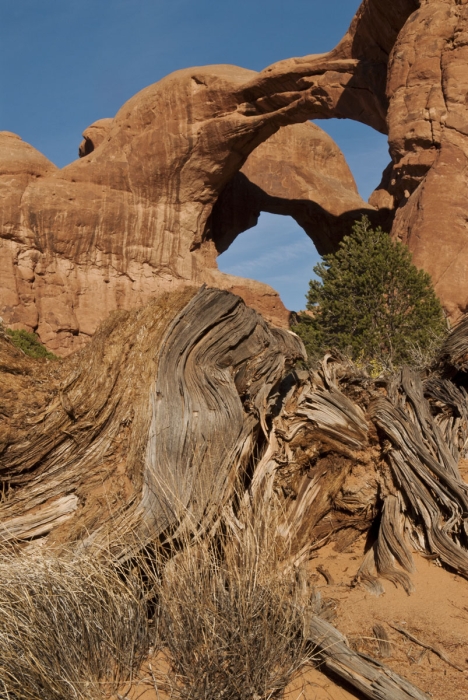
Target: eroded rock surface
<point x="134" y="217"/>
<point x="93" y="136"/>
<point x="154" y="200"/>
<point x="428" y="137"/>
<point x="299" y="172"/>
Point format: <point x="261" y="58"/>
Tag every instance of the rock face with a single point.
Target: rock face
<point x="93" y="136"/>
<point x="153" y="201"/>
<point x="134" y="217"/>
<point x="20" y="166"/>
<point x="298" y="172"/>
<point x="428" y="137"/>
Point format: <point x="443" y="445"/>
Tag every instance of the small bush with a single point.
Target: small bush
<point x="30" y="344"/>
<point x="228" y="610"/>
<point x="232" y="617"/>
<point x="371" y="302"/>
<point x="69" y="627"/>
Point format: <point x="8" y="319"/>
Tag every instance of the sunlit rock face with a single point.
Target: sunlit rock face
<point x="428" y="136"/>
<point x="189" y="163"/>
<point x="155" y="200"/>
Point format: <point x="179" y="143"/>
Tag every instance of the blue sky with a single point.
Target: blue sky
<point x="66" y="63"/>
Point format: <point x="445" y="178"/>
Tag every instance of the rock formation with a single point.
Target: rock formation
<point x="154" y="199"/>
<point x="428" y="137"/>
<point x="93" y="136"/>
<point x="111" y="233"/>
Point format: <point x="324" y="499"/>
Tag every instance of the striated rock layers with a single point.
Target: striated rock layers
<point x="428" y="136"/>
<point x="190" y="162"/>
<point x="142" y="213"/>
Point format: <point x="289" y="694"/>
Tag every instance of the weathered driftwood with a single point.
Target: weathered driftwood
<point x="147" y="424"/>
<point x="431" y="491"/>
<point x="153" y="422"/>
<point x="454" y="354"/>
<point x="383" y="641"/>
<point x="316" y="441"/>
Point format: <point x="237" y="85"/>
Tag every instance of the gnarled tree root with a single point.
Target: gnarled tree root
<point x="193" y="406"/>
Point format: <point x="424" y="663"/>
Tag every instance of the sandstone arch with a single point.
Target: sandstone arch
<point x="298" y="172"/>
<point x="90" y="444"/>
<point x="135" y="215"/>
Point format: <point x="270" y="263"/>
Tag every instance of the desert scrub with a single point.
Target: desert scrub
<point x="232" y="615"/>
<point x="70" y="626"/>
<point x="228" y="609"/>
<point x="29" y="343"/>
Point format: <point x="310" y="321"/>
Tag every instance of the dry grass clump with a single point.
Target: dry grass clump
<point x="228" y="609"/>
<point x="70" y="627"/>
<point x="232" y="615"/>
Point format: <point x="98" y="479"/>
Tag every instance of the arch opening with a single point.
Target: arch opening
<point x="276" y="251"/>
<point x="364" y="148"/>
<point x="253" y="233"/>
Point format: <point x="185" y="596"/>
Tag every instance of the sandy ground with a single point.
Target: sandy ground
<point x="309" y="685"/>
<point x="436" y="614"/>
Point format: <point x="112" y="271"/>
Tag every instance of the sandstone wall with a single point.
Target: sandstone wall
<point x="190" y="162"/>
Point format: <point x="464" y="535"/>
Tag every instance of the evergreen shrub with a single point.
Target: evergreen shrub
<point x="29" y="343"/>
<point x="372" y="303"/>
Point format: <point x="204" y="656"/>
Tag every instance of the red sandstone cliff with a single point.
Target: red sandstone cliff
<point x="154" y="199"/>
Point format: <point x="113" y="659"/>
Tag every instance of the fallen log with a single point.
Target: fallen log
<point x="372" y="678"/>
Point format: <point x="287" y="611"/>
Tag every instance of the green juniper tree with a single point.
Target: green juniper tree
<point x="371" y="301"/>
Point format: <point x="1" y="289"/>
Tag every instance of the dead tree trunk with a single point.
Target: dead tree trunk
<point x="171" y="407"/>
<point x="146" y="426"/>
